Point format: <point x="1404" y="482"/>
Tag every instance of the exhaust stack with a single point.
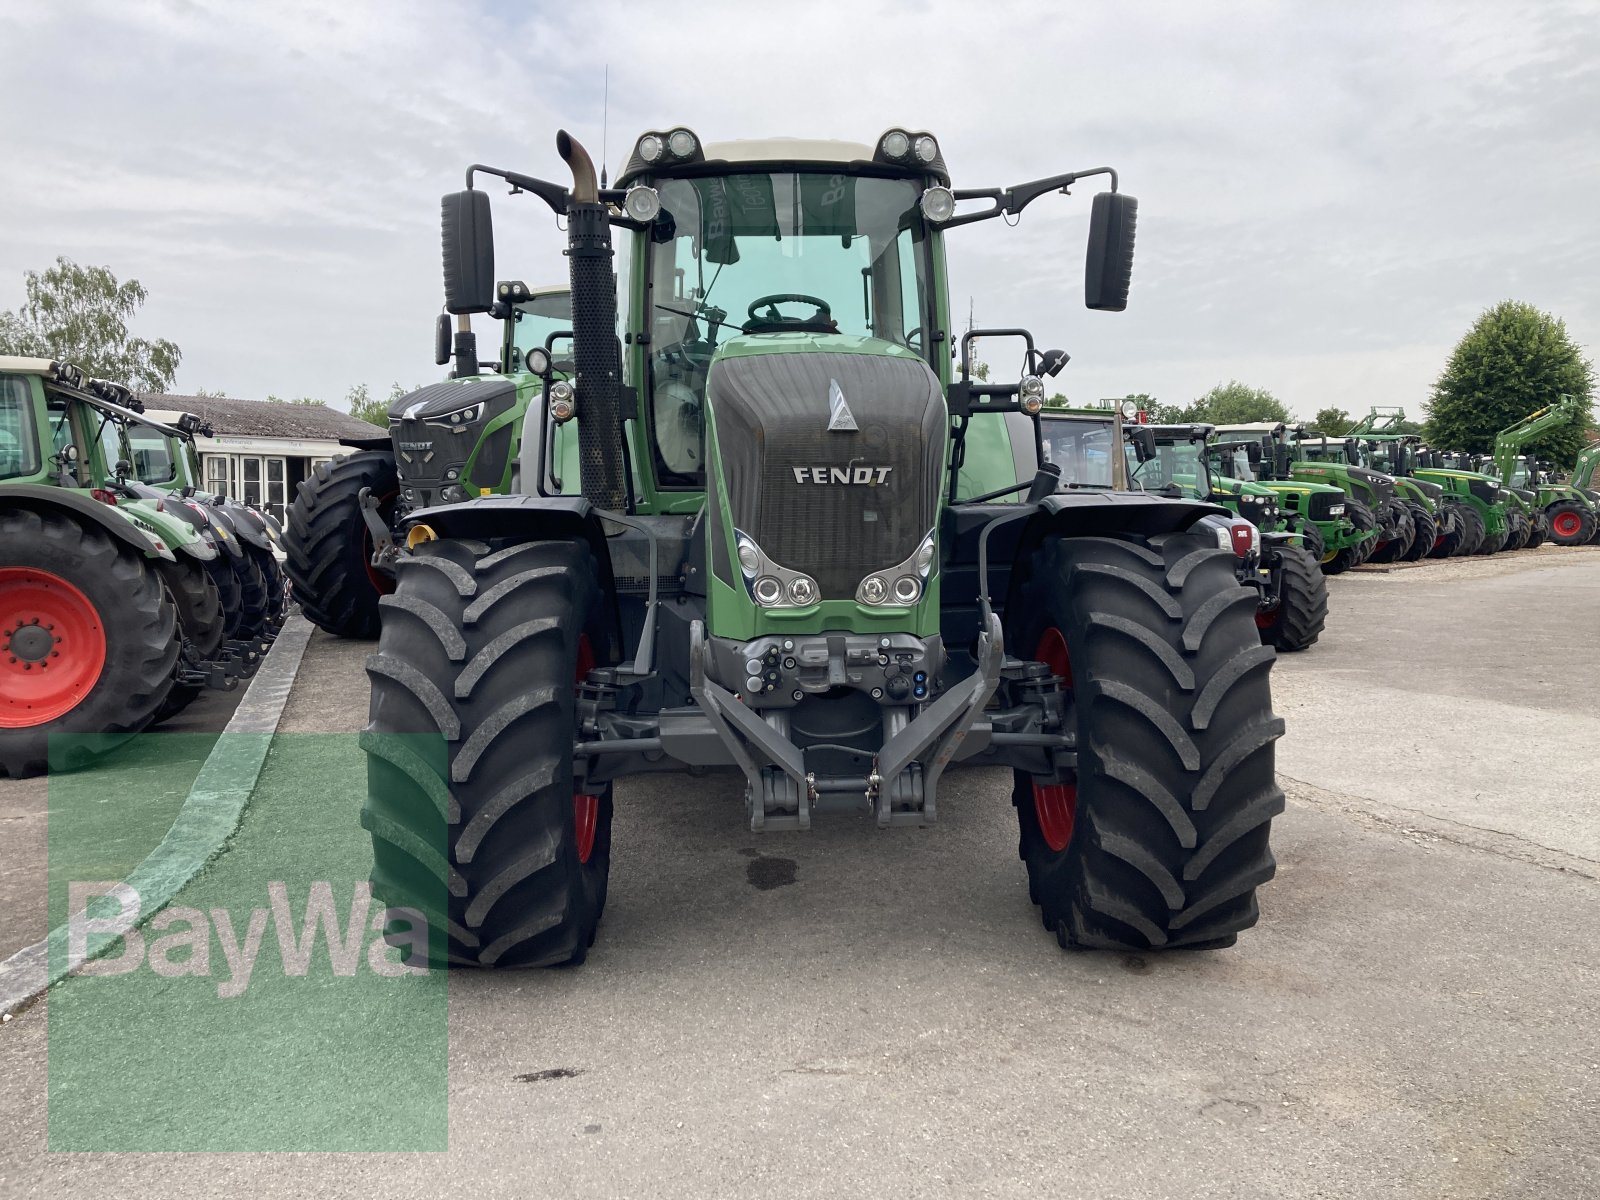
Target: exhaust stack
<point x="596" y="353"/>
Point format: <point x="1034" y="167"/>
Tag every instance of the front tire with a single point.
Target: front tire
<point x="1302" y="610"/>
<point x="95" y="613"/>
<point x="471" y="804"/>
<point x="1353" y="556"/>
<point x="1160" y="837"/>
<point x="330" y="549"/>
<point x="1473" y="531"/>
<point x="1394" y="548"/>
<point x="1425" y="533"/>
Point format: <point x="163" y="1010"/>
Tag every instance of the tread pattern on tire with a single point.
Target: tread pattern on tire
<point x="472" y="821"/>
<point x="326" y="543"/>
<point x="1302" y="610"/>
<point x="1176" y="784"/>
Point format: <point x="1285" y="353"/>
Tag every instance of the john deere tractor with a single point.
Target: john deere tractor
<point x="1571" y="514"/>
<point x="1293" y="604"/>
<point x="99" y="599"/>
<point x="778" y="555"/>
<point x="446" y="442"/>
<point x="1345" y="527"/>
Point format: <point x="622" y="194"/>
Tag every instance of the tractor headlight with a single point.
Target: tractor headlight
<point x="650" y="148"/>
<point x="896" y="144"/>
<point x="749" y="556"/>
<point x="461" y="416"/>
<point x="938" y="204"/>
<point x="563" y="401"/>
<point x="642" y="203"/>
<point x="681" y="143"/>
<point x="1130" y="410"/>
<point x="906" y="589"/>
<point x="1336" y="510"/>
<point x="874" y="589"/>
<point x="537" y="361"/>
<point x="927" y="149"/>
<point x="771" y="585"/>
<point x="803" y="590"/>
<point x="1030" y="394"/>
<point x="768" y="591"/>
<point x="909" y="579"/>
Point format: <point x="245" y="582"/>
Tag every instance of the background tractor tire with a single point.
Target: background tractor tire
<point x="96" y="613"/>
<point x="222" y="574"/>
<point x="1493" y="543"/>
<point x="273" y="582"/>
<point x="254" y="604"/>
<point x="1571" y="524"/>
<point x="1472" y="530"/>
<point x="1403" y="532"/>
<point x="1161" y="839"/>
<point x="1352" y="556"/>
<point x="1448" y="541"/>
<point x="330" y="549"/>
<point x="201" y="623"/>
<point x="1425" y="535"/>
<point x="474" y="817"/>
<point x="1311" y="540"/>
<point x="1302" y="609"/>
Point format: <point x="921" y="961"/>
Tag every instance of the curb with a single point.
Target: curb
<point x="203" y="825"/>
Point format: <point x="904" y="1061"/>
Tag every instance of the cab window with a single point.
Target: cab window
<point x="19" y="450"/>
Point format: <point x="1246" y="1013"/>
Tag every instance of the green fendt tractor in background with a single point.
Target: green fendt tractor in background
<point x="1381" y="445"/>
<point x="1571" y="515"/>
<point x="1488" y="514"/>
<point x="1583" y="471"/>
<point x="98" y="598"/>
<point x="777" y="556"/>
<point x="1346" y="526"/>
<point x="1177" y="459"/>
<point x="447" y="442"/>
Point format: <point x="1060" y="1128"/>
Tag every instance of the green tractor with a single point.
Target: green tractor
<point x="836" y="586"/>
<point x="1345" y="528"/>
<point x="1383" y="446"/>
<point x="1177" y="460"/>
<point x="447" y="442"/>
<point x="1490" y="516"/>
<point x="1083" y="443"/>
<point x="102" y="599"/>
<point x="1570" y="514"/>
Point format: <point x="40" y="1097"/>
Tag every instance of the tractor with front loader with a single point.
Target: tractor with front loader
<point x="796" y="546"/>
<point x="448" y="441"/>
<point x="1570" y="514"/>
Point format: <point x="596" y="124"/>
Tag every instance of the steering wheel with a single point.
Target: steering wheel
<point x="772" y="321"/>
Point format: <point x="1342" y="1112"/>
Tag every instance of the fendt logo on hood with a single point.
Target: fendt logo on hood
<point x="867" y="476"/>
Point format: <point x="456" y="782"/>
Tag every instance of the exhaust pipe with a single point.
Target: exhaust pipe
<point x="597" y="357"/>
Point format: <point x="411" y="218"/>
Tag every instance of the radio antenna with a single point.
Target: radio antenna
<point x="605" y="124"/>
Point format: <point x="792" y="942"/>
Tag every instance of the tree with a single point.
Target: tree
<point x="309" y="402"/>
<point x="1235" y="403"/>
<point x="1514" y="361"/>
<point x="1334" y="422"/>
<point x="81" y="314"/>
<point x="361" y="404"/>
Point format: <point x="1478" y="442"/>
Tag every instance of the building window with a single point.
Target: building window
<point x="219" y="475"/>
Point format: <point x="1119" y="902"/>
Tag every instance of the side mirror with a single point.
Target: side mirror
<point x="441" y="339"/>
<point x="468" y="252"/>
<point x="189" y="423"/>
<point x="1352" y="449"/>
<point x="1252" y="453"/>
<point x="1144" y="442"/>
<point x="1108" y="268"/>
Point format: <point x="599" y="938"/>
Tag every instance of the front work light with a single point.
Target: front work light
<point x="938" y="204"/>
<point x="642" y="203"/>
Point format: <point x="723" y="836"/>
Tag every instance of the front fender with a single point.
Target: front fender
<point x="40" y="497"/>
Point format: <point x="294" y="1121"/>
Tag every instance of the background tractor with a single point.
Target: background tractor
<point x="1293" y="604"/>
<point x="97" y="598"/>
<point x="447" y="442"/>
<point x="796" y="546"/>
<point x="1570" y="514"/>
<point x="1345" y="526"/>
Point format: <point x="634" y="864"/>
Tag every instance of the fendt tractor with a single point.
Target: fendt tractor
<point x="1350" y="512"/>
<point x="766" y="562"/>
<point x="1583" y="471"/>
<point x="447" y="441"/>
<point x="1570" y="514"/>
<point x="1293" y="605"/>
<point x="105" y="605"/>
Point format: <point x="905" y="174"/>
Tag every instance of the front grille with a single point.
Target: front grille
<point x="785" y="471"/>
<point x="429" y="445"/>
<point x="1484" y="490"/>
<point x="1321" y="505"/>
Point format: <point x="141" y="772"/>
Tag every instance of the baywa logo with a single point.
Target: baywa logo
<point x="177" y="941"/>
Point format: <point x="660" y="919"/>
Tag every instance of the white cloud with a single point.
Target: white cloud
<point x="1328" y="194"/>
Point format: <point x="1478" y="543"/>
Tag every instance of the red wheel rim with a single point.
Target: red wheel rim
<point x="1567" y="524"/>
<point x="381" y="583"/>
<point x="52" y="647"/>
<point x="585" y="808"/>
<point x="1055" y="805"/>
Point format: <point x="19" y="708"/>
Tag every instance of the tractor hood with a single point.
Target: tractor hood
<point x="435" y="430"/>
<point x="829" y="452"/>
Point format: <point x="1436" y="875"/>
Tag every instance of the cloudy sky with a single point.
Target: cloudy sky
<point x="1329" y="193"/>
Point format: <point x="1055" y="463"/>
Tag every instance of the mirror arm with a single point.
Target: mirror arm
<point x="553" y="194"/>
<point x="1013" y="200"/>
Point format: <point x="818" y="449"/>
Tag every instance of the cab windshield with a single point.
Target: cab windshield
<point x="1081" y="448"/>
<point x="774" y="252"/>
<point x="1234" y="464"/>
<point x="152" y="459"/>
<point x="1177" y="467"/>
